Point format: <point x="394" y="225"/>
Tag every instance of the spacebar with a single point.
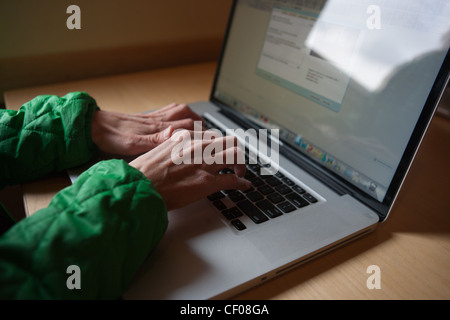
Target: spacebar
<point x="252" y="211"/>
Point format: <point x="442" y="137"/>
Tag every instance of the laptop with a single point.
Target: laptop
<point x="342" y="92"/>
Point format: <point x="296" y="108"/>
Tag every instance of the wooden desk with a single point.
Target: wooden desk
<point x="412" y="248"/>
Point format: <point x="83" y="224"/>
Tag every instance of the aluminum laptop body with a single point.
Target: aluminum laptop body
<point x="352" y="89"/>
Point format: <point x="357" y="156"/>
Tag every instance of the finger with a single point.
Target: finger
<point x="188" y="124"/>
<point x="183" y="111"/>
<point x="176" y="112"/>
<point x="146" y="143"/>
<point x="214" y="148"/>
<point x="204" y="148"/>
<point x="231" y="182"/>
<point x="168" y="107"/>
<point x="187" y="136"/>
<point x="231" y="158"/>
<point x="159" y="114"/>
<point x="164" y="109"/>
<point x="145" y="126"/>
<point x="214" y="142"/>
<point x="215" y="139"/>
<point x="205" y="138"/>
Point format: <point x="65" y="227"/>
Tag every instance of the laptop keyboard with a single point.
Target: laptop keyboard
<point x="270" y="196"/>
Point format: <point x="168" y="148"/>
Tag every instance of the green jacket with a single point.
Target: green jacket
<point x="106" y="223"/>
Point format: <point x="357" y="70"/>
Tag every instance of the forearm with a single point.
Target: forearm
<point x="47" y="134"/>
<point x="106" y="223"/>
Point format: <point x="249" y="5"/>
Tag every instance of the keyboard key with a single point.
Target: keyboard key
<point x="249" y="190"/>
<point x="288" y="181"/>
<point x="298" y="189"/>
<point x="255" y="196"/>
<point x="216" y="196"/>
<point x="236" y="196"/>
<point x="249" y="174"/>
<point x="252" y="211"/>
<point x="265" y="176"/>
<point x="256" y="181"/>
<point x="273" y="181"/>
<point x="269" y="209"/>
<point x="275" y="197"/>
<point x="279" y="175"/>
<point x="296" y="199"/>
<point x="255" y="168"/>
<point x="232" y="213"/>
<point x="238" y="225"/>
<point x="219" y="205"/>
<point x="286" y="206"/>
<point x="265" y="189"/>
<point x="283" y="189"/>
<point x="228" y="214"/>
<point x="310" y="198"/>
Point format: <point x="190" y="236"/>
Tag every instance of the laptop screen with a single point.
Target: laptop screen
<point x="345" y="81"/>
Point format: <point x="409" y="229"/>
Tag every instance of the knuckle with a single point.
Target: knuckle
<point x="154" y="139"/>
<point x="189" y="123"/>
<point x="184" y="107"/>
<point x="181" y="134"/>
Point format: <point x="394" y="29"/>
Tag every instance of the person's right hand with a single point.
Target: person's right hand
<point x="182" y="184"/>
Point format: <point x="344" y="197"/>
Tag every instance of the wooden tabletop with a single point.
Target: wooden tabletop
<point x="411" y="249"/>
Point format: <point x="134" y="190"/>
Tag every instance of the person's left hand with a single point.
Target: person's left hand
<point x="133" y="134"/>
<point x="180" y="184"/>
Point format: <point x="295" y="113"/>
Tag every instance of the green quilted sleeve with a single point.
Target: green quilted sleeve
<point x="105" y="224"/>
<point x="46" y="134"/>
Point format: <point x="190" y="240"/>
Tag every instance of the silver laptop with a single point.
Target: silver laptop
<point x="345" y="91"/>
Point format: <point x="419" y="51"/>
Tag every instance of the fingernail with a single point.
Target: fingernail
<point x="167" y="132"/>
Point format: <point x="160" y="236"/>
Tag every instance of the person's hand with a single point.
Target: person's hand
<point x="133" y="134"/>
<point x="182" y="184"/>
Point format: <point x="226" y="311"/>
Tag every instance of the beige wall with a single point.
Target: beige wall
<point x="36" y="47"/>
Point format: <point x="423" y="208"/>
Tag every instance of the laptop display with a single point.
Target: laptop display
<point x="344" y="81"/>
